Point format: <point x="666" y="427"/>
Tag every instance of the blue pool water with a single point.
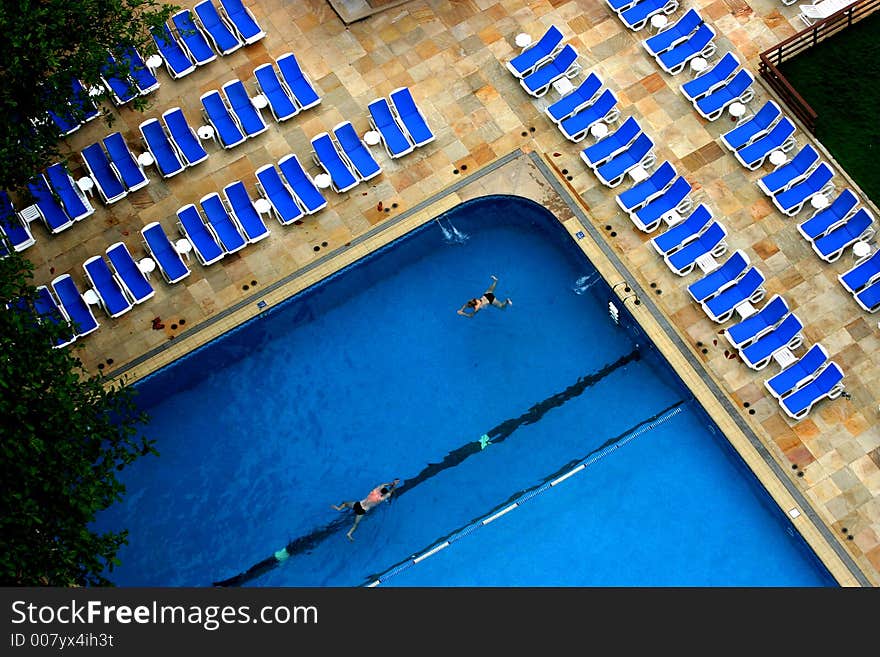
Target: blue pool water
<point x="372" y="375"/>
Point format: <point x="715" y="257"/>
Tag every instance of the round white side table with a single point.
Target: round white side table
<point x="86" y="184"/>
<point x="778" y="158"/>
<point x="599" y="130"/>
<point x="183" y="246"/>
<point x="523" y="40"/>
<point x="659" y="21"/>
<point x="91" y="297"/>
<point x="260" y="101"/>
<point x="736" y="109"/>
<point x="371" y="137"/>
<point x="147" y="266"/>
<point x="861" y="250"/>
<point x="698" y="65"/>
<point x="819" y="201"/>
<point x="205" y="132"/>
<point x="262" y="206"/>
<point x="95" y="91"/>
<point x="322" y="180"/>
<point x="145" y="159"/>
<point x="153" y="62"/>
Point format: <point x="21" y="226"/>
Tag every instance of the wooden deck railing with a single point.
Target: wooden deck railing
<point x="803" y="40"/>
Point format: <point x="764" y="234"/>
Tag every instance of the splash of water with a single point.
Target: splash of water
<point x="452" y="235"/>
<point x="584" y="283"/>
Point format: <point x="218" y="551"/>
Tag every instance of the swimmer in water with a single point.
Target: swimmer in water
<point x="381" y="493"/>
<point x="487" y="299"/>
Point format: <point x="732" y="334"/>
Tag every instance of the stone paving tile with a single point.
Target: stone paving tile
<point x="452" y="56"/>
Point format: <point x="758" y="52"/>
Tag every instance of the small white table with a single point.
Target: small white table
<point x="599" y="130"/>
<point x="86" y="184"/>
<point x="861" y="250"/>
<point x="638" y="173"/>
<point x="372" y="137"/>
<point x="145" y="159"/>
<point x="736" y="109"/>
<point x="30" y="213"/>
<point x="698" y="65"/>
<point x="95" y="91"/>
<point x="147" y="266"/>
<point x="819" y="201"/>
<point x="671" y="218"/>
<point x="563" y="86"/>
<point x="153" y="62"/>
<point x="707" y="263"/>
<point x="262" y="206"/>
<point x="523" y="40"/>
<point x="183" y="246"/>
<point x="659" y="21"/>
<point x="260" y="101"/>
<point x="205" y="132"/>
<point x="784" y="357"/>
<point x="323" y="180"/>
<point x="91" y="297"/>
<point x="778" y="158"/>
<point x="745" y="309"/>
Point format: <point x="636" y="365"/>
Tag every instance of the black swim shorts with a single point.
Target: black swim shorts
<point x="490" y="296"/>
<point x="358" y="509"/>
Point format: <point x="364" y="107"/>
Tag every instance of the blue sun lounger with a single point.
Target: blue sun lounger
<point x="790" y="201"/>
<point x="249" y="117"/>
<point x="226" y="230"/>
<point x="563" y="64"/>
<point x="177" y="61"/>
<point x="281" y="102"/>
<point x="16" y="231"/>
<point x="582" y="96"/>
<point x="205" y="243"/>
<point x="365" y="165"/>
<point x="328" y="157"/>
<point x="131" y="173"/>
<point x="829" y="217"/>
<point x="383" y="121"/>
<point x="639" y="153"/>
<point x="750" y="129"/>
<point x="242" y="209"/>
<point x="168" y="160"/>
<point x="638" y="15"/>
<point x="856" y="228"/>
<point x="827" y="383"/>
<point x="101" y="170"/>
<point x="618" y="6"/>
<point x="193" y="38"/>
<point x="49" y="310"/>
<point x="576" y="126"/>
<point x="51" y="211"/>
<point x="710" y="242"/>
<point x="713" y="78"/>
<point x="650" y="188"/>
<point x="799" y="373"/>
<point x="285" y="205"/>
<point x="143" y="77"/>
<point x="82" y="102"/>
<point x="869" y="297"/>
<point x="184" y="137"/>
<point x="111" y="294"/>
<point x="749" y="287"/>
<point x="754" y="326"/>
<point x="737" y="89"/>
<point x="787" y="334"/>
<point x="790" y="173"/>
<point x="74" y="201"/>
<point x="674" y="34"/>
<point x="675" y="197"/>
<point x="862" y="274"/>
<point x="780" y="137"/>
<point x="117" y="81"/>
<point x="304" y="188"/>
<point x="609" y="146"/>
<point x="297" y="81"/>
<point x="697" y="44"/>
<point x="222" y="35"/>
<point x="536" y="54"/>
<point x="133" y="280"/>
<point x="676" y="236"/>
<point x="78" y="311"/>
<point x="716" y="281"/>
<point x="226" y="128"/>
<point x="410" y="116"/>
<point x="162" y="251"/>
<point x="243" y="20"/>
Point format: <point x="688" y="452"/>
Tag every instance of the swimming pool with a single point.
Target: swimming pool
<point x="372" y="375"/>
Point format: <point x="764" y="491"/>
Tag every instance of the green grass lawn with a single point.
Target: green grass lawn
<point x="840" y="79"/>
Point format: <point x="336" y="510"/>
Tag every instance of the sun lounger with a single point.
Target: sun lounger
<point x="249" y="117"/>
<point x="78" y="311"/>
<point x="193" y="38"/>
<point x="226" y="127"/>
<point x="713" y="78"/>
<point x="396" y="142"/>
<point x="790" y="173"/>
<point x="65" y="122"/>
<point x="829" y="217"/>
<point x="168" y="159"/>
<point x="869" y="297"/>
<point x="536" y="54"/>
<point x="716" y="281"/>
<point x="133" y="280"/>
<point x="710" y="242"/>
<point x="205" y="243"/>
<point x="143" y="77"/>
<point x="328" y="157"/>
<point x="184" y="137"/>
<point x="242" y="209"/>
<point x="177" y="61"/>
<point x="226" y="230"/>
<point x="81" y="102"/>
<point x="102" y="172"/>
<point x="51" y="211"/>
<point x="563" y="64"/>
<point x="650" y="188"/>
<point x="799" y="373"/>
<point x="13" y="228"/>
<point x="737" y="89"/>
<point x="677" y="235"/>
<point x="285" y="205"/>
<point x="301" y="183"/>
<point x="618" y="6"/>
<point x="115" y="76"/>
<point x="637" y="16"/>
<point x="281" y="102"/>
<point x="297" y="81"/>
<point x="131" y="173"/>
<point x="639" y="153"/>
<point x="697" y="44"/>
<point x="780" y="137"/>
<point x="856" y="228"/>
<point x="675" y="197"/>
<point x="221" y="33"/>
<point x="410" y="116"/>
<point x="74" y="201"/>
<point x="754" y="326"/>
<point x="676" y="33"/>
<point x="609" y="146"/>
<point x="49" y="310"/>
<point x="827" y="383"/>
<point x="162" y="251"/>
<point x="787" y="334"/>
<point x="862" y="274"/>
<point x="790" y="201"/>
<point x="365" y="165"/>
<point x="752" y="128"/>
<point x="243" y="20"/>
<point x="582" y="96"/>
<point x="111" y="294"/>
<point x="577" y="126"/>
<point x="749" y="287"/>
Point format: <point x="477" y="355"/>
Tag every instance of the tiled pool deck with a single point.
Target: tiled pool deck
<point x="494" y="138"/>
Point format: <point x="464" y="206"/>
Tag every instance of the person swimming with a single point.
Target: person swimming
<point x="488" y="298"/>
<point x="381" y="493"/>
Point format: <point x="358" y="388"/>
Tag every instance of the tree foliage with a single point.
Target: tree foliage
<point x="45" y="42"/>
<point x="64" y="436"/>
